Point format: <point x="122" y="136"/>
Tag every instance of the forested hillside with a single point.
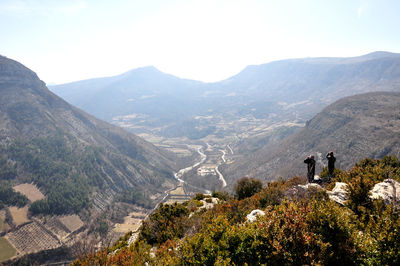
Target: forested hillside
<point x="68" y="154"/>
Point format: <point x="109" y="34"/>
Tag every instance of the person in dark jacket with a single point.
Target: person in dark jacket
<point x="310" y="168"/>
<point x="331" y="163"/>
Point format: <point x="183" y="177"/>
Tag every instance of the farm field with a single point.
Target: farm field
<point x="6" y="249"/>
<point x="30" y="191"/>
<point x="125" y="228"/>
<point x="72" y="222"/>
<point x="178" y="191"/>
<point x="177" y="195"/>
<point x="32" y="237"/>
<point x="19" y="215"/>
<point x="132" y="222"/>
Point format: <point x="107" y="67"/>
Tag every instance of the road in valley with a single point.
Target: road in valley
<point x="178" y="175"/>
<point x="181" y="172"/>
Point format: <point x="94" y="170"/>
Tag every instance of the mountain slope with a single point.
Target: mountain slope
<point x="294" y="90"/>
<point x="316" y="82"/>
<point x="144" y="90"/>
<point x="356" y="127"/>
<point x="51" y="141"/>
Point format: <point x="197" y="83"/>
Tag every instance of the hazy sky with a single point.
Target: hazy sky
<point x="68" y="40"/>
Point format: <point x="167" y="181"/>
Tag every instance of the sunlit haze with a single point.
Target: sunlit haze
<point x="69" y="40"/>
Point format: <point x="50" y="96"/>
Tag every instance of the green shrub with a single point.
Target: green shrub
<point x="167" y="223"/>
<point x="247" y="187"/>
<point x="10" y="197"/>
<point x="222" y="195"/>
<point x="199" y="196"/>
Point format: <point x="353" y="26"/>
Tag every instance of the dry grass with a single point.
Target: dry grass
<point x="19" y="215"/>
<point x="125" y="228"/>
<point x="172" y="201"/>
<point x="178" y="191"/>
<point x="6" y="249"/>
<point x="72" y="222"/>
<point x="30" y="191"/>
<point x="180" y="151"/>
<point x="132" y="222"/>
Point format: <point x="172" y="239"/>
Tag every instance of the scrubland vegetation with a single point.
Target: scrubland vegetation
<point x="298" y="228"/>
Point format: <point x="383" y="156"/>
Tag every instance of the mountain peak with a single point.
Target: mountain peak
<point x="380" y="54"/>
<point x="12" y="71"/>
<point x="146" y="70"/>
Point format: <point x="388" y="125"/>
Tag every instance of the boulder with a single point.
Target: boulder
<point x="209" y="205"/>
<point x="339" y="193"/>
<point x="251" y="217"/>
<point x="388" y="190"/>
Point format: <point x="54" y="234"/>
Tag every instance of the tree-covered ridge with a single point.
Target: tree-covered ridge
<point x="66" y="170"/>
<point x="297" y="228"/>
<point x="10" y="197"/>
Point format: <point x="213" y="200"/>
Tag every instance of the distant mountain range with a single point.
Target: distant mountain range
<point x="356" y="127"/>
<point x="294" y="89"/>
<point x="262" y="104"/>
<point x="56" y="145"/>
<point x="253" y="110"/>
<point x="143" y="90"/>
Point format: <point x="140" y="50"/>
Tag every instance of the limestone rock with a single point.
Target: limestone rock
<point x="254" y="214"/>
<point x="339" y="193"/>
<point x="209" y="205"/>
<point x="388" y="190"/>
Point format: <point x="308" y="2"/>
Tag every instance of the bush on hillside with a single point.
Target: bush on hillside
<point x="167" y="222"/>
<point x="247" y="187"/>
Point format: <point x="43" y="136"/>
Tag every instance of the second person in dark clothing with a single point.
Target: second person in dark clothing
<point x="331" y="163"/>
<point x="310" y="168"/>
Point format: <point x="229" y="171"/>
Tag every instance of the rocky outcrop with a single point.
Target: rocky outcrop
<point x="388" y="190"/>
<point x="251" y="217"/>
<point x="339" y="193"/>
<point x="208" y="203"/>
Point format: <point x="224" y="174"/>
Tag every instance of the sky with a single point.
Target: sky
<point x="70" y="40"/>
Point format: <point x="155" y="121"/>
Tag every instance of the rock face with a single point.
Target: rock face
<point x="388" y="190"/>
<point x="339" y="193"/>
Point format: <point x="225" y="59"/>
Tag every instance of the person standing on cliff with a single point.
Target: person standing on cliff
<point x="331" y="163"/>
<point x="310" y="168"/>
